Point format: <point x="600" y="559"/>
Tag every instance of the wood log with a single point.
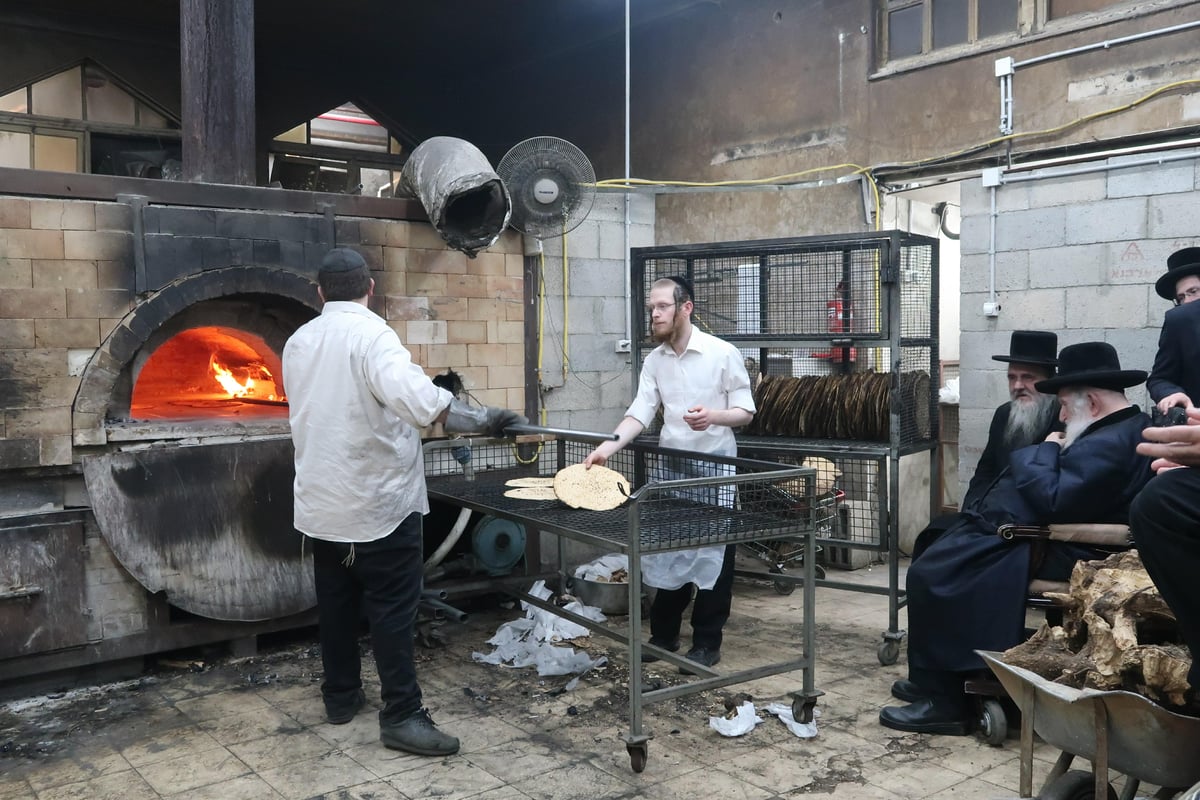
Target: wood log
<point x="1116" y="633"/>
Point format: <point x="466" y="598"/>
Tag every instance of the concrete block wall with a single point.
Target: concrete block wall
<point x="67" y="283"/>
<point x="1074" y="254"/>
<point x="597" y="386"/>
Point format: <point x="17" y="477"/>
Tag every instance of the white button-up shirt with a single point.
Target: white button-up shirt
<point x="356" y="402"/>
<point x="709" y="373"/>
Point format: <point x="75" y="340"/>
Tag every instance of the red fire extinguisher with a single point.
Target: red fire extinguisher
<point x="840" y="320"/>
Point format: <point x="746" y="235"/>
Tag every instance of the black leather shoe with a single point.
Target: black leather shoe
<point x="417" y="734"/>
<point x="670" y="646"/>
<point x="340" y="715"/>
<point x="940" y="716"/>
<point x="703" y="656"/>
<point x="909" y="692"/>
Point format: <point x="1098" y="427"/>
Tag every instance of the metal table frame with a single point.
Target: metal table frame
<point x="654" y="519"/>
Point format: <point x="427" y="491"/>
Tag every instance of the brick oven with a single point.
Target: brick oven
<point x="145" y="456"/>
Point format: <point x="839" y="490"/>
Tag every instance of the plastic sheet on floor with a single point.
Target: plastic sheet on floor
<point x="529" y="641"/>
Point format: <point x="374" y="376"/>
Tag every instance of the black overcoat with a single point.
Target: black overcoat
<point x="1176" y="368"/>
<point x="967" y="591"/>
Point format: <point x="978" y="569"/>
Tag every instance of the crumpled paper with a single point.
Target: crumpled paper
<point x="949" y="392"/>
<point x="805" y="730"/>
<point x="528" y="642"/>
<point x="602" y="568"/>
<point x="742" y="723"/>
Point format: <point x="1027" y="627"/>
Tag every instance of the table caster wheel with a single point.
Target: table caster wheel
<point x="802" y="710"/>
<point x="638" y="754"/>
<point x="889" y="652"/>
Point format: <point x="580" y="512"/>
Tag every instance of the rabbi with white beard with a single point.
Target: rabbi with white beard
<point x="967" y="591"/>
<point x="1028" y="417"/>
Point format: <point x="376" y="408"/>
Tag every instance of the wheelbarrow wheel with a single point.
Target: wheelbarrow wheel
<point x="1074" y="785"/>
<point x="993" y="723"/>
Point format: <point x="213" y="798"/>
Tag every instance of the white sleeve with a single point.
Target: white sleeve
<point x="400" y="384"/>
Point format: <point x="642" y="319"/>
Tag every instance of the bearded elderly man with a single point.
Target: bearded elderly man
<point x="1028" y="417"/>
<point x="967" y="592"/>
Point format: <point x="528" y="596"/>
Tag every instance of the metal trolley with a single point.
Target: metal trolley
<point x="660" y="515"/>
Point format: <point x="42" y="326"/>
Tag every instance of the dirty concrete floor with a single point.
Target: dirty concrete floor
<point x="254" y="728"/>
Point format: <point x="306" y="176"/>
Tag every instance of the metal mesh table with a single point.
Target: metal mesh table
<point x="680" y="500"/>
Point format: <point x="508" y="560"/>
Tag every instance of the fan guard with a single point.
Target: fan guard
<point x="552" y="184"/>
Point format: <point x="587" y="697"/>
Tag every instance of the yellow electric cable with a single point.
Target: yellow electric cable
<point x="566" y="343"/>
<point x="784" y="179"/>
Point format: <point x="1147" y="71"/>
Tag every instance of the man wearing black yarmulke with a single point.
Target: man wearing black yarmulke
<point x="356" y="403"/>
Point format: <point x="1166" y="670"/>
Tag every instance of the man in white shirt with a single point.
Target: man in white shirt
<point x="356" y="402"/>
<point x="702" y="386"/>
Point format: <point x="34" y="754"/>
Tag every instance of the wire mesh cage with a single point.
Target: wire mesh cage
<point x="838" y="332"/>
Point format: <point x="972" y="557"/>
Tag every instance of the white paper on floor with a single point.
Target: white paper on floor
<point x="602" y="568"/>
<point x="805" y="730"/>
<point x="742" y="723"/>
<point x="529" y="641"/>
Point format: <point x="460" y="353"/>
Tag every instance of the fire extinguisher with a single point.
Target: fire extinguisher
<point x="840" y="318"/>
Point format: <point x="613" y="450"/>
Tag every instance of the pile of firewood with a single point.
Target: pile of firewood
<point x="1116" y="633"/>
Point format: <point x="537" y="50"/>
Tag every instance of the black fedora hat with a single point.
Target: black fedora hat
<point x="1091" y="364"/>
<point x="1032" y="347"/>
<point x="1180" y="264"/>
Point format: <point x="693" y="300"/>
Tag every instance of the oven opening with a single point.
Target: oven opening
<point x="210" y="371"/>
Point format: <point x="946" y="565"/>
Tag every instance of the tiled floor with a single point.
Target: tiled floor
<point x="254" y="728"/>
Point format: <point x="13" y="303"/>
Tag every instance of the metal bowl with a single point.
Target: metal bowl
<point x="611" y="598"/>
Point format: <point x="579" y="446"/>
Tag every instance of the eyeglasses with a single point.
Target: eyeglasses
<point x="661" y="308"/>
<point x="1186" y="294"/>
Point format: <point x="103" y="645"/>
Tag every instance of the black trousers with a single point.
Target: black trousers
<point x="709" y="613"/>
<point x="382" y="578"/>
<point x="1165" y="522"/>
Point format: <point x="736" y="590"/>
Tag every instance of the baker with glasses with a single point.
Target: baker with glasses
<point x="1175" y="378"/>
<point x="701" y="384"/>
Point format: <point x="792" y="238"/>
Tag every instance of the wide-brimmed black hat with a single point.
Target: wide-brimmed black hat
<point x="1091" y="364"/>
<point x="1180" y="264"/>
<point x="1032" y="347"/>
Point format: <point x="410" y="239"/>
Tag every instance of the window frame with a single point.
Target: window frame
<point x="1033" y="24"/>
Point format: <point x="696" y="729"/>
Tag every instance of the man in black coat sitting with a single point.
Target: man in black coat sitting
<point x="1028" y="417"/>
<point x="967" y="591"/>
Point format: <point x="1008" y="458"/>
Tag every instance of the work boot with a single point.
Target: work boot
<point x="417" y="734"/>
<point x="669" y="646"/>
<point x="701" y="655"/>
<point x="909" y="692"/>
<point x="946" y="716"/>
<point x="341" y="714"/>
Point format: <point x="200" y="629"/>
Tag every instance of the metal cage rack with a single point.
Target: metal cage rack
<point x="840" y="336"/>
<point x="739" y="500"/>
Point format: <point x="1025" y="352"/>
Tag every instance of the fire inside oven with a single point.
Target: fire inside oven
<point x="210" y="371"/>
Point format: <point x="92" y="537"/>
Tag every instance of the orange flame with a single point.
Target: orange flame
<point x="247" y="388"/>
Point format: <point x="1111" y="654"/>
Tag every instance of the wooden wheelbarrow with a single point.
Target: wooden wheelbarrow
<point x="1117" y="730"/>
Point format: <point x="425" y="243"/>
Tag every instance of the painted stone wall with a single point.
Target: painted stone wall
<point x="1075" y="254"/>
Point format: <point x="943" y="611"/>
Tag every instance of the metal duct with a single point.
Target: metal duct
<point x="465" y="199"/>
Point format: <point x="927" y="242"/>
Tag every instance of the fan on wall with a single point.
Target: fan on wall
<point x="552" y="184"/>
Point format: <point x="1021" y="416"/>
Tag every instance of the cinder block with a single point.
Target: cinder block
<point x="1107" y="307"/>
<point x="1012" y="272"/>
<point x="83" y="332"/>
<point x="62" y="215"/>
<point x="423" y="236"/>
<point x="1174" y="216"/>
<point x="974" y="234"/>
<point x="17" y="333"/>
<point x="1149" y="180"/>
<point x="485" y="355"/>
<point x="1080" y="265"/>
<point x="421" y="284"/>
<point x="1067" y="190"/>
<point x="1107" y="220"/>
<point x="487" y="263"/>
<point x="467" y="286"/>
<point x="55" y="450"/>
<point x="1035" y="309"/>
<point x="505" y="377"/>
<point x="14" y="212"/>
<point x="97" y="245"/>
<point x="21" y="303"/>
<point x="396" y="234"/>
<point x="466" y="331"/>
<point x="1037" y="227"/>
<point x="64" y="274"/>
<point x="448" y="308"/>
<point x="441" y="356"/>
<point x="36" y="423"/>
<point x="114" y="217"/>
<point x="425" y="332"/>
<point x="514" y="265"/>
<point x="106" y="303"/>
<point x="22" y="243"/>
<point x="16" y="273"/>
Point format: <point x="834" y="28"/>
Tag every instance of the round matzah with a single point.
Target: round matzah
<point x="526" y="483"/>
<point x="827" y="473"/>
<point x="596" y="489"/>
<point x="532" y="493"/>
